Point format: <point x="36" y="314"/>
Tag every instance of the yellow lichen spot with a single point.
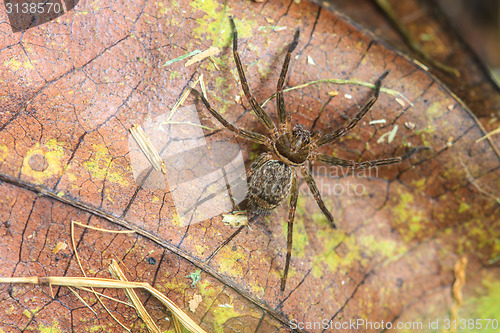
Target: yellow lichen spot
<point x="4" y="151"/>
<point x="54" y="328"/>
<point x="201" y="249"/>
<point x="419" y="184"/>
<point x="43" y="162"/>
<point x="102" y="167"/>
<point x="27" y="314"/>
<point x="14" y="65"/>
<point x="179" y="221"/>
<point x="230" y="265"/>
<point x="11" y="309"/>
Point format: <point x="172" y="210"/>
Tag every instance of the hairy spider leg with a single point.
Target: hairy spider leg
<point x="289" y="238"/>
<point x="336" y="135"/>
<point x="255" y="137"/>
<point x="317" y="196"/>
<point x="259" y="112"/>
<point x="284" y="116"/>
<point x="331" y="160"/>
<point x="261" y="159"/>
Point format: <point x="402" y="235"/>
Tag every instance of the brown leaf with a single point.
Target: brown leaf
<point x="427" y="23"/>
<point x="73" y="87"/>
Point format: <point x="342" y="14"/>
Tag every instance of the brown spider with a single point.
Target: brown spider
<point x="274" y="175"/>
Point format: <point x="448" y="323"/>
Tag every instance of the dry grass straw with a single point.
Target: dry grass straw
<point x="119" y="283"/>
<point x="147" y="148"/>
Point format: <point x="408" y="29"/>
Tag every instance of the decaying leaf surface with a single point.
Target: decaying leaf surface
<point x="427" y="24"/>
<point x="72" y="88"/>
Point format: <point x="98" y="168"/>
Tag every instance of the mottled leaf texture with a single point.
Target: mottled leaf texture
<point x="71" y="89"/>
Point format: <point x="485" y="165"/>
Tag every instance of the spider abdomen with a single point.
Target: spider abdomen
<point x="269" y="186"/>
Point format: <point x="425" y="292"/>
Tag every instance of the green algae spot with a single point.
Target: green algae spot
<point x="222" y="314"/>
<point x="329" y="259"/>
<point x="483" y="307"/>
<point x="463" y="207"/>
<point x="230" y="264"/>
<point x="359" y="250"/>
<point x="43" y="161"/>
<point x="222" y="86"/>
<point x="100" y="166"/>
<point x="385" y="247"/>
<point x="433" y="112"/>
<point x="214" y="25"/>
<point x="406" y="214"/>
<point x="54" y="328"/>
<point x="207" y="289"/>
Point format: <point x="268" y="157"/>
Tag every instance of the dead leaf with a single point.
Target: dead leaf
<point x="72" y="88"/>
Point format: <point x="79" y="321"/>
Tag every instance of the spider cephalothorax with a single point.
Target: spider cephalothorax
<point x="293" y="147"/>
<point x="274" y="174"/>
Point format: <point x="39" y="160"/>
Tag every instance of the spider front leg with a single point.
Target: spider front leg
<point x="285" y="117"/>
<point x="336" y="135"/>
<point x="259" y="112"/>
<point x="255" y="137"/>
<point x="317" y="196"/>
<point x="289" y="239"/>
<point x="331" y="160"/>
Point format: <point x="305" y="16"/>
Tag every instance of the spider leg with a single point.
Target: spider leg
<point x="289" y="239"/>
<point x="336" y="135"/>
<point x="225" y="243"/>
<point x="327" y="159"/>
<point x="259" y="112"/>
<point x="285" y="117"/>
<point x="259" y="161"/>
<point x="317" y="196"/>
<point x="255" y="137"/>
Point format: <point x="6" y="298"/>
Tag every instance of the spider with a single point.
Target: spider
<point x="291" y="150"/>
